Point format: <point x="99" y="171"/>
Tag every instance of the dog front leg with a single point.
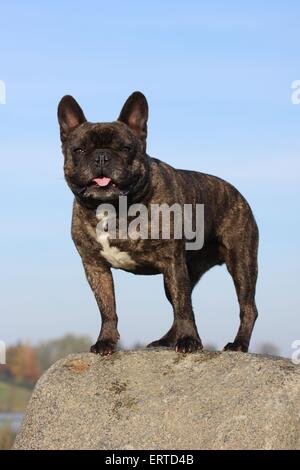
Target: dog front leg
<point x="101" y="282"/>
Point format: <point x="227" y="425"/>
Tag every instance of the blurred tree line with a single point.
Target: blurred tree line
<point x="26" y="363"/>
<point x="266" y="349"/>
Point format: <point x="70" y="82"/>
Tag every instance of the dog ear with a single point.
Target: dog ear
<point x="135" y="114"/>
<point x="70" y="115"/>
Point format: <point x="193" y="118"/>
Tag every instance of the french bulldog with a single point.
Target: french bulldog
<point x="104" y="162"/>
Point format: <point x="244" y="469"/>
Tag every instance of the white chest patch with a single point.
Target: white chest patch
<point x="116" y="258"/>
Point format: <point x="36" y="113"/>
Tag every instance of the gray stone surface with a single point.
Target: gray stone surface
<point x="157" y="399"/>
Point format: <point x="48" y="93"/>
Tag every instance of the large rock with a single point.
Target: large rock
<point x="157" y="399"/>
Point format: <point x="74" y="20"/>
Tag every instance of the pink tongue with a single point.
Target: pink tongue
<point x="102" y="181"/>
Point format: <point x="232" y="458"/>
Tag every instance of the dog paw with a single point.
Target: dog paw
<point x="236" y="346"/>
<point x="105" y="347"/>
<point x="188" y="344"/>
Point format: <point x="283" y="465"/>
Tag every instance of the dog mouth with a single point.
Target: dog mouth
<point x="99" y="188"/>
<point x="103" y="182"/>
<point x="102" y="185"/>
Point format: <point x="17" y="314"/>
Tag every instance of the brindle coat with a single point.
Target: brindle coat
<point x="118" y="151"/>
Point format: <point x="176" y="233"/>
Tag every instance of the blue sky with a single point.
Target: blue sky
<point x="218" y="80"/>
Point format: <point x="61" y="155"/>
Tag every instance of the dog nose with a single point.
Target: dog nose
<point x="101" y="157"/>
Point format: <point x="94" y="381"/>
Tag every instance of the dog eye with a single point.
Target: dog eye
<point x="126" y="149"/>
<point x="78" y="151"/>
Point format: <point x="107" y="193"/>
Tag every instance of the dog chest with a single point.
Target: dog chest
<point x="114" y="256"/>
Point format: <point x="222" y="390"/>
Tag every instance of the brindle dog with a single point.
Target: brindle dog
<point x="104" y="161"/>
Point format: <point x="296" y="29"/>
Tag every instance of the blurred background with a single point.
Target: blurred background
<point x="218" y="80"/>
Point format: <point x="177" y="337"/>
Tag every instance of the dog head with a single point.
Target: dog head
<point x="105" y="160"/>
